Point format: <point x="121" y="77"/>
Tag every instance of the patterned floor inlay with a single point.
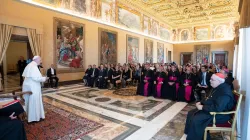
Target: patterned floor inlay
<point x="102" y="99"/>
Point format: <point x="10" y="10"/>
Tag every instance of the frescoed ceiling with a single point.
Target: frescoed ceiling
<point x="184" y="13"/>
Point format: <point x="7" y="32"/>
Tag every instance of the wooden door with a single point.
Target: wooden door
<point x="186" y="58"/>
<point x="220" y="59"/>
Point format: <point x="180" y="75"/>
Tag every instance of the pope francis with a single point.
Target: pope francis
<point x="32" y="82"/>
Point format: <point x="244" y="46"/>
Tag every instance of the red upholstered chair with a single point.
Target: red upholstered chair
<point x="229" y="126"/>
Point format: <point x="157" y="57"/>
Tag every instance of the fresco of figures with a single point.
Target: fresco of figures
<point x="202" y="33"/>
<point x="69" y="47"/>
<point x="129" y="18"/>
<point x="148" y="49"/>
<point x="107" y="46"/>
<point x="184" y="35"/>
<point x="164" y="34"/>
<point x="146" y="24"/>
<point x="154" y="28"/>
<point x="108" y="10"/>
<point x="160" y="52"/>
<point x="132" y="49"/>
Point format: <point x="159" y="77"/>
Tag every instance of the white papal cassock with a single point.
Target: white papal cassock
<point x="32" y="82"/>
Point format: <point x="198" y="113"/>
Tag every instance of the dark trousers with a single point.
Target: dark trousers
<point x="52" y="84"/>
<point x="21" y="79"/>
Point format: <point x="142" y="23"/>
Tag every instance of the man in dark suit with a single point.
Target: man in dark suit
<point x="51" y="73"/>
<point x="203" y="83"/>
<point x="21" y="65"/>
<point x="94" y="76"/>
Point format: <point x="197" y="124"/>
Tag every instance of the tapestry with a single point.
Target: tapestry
<point x="160" y="52"/>
<point x="69" y="45"/>
<point x="202" y="53"/>
<point x="132" y="49"/>
<point x="107" y="46"/>
<point x="148" y="49"/>
<point x="60" y="124"/>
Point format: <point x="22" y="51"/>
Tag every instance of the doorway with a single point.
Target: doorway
<point x="186" y="57"/>
<point x="169" y="56"/>
<point x="18" y="46"/>
<point x="220" y="57"/>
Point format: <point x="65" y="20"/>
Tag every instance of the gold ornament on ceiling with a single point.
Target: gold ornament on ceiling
<point x="183" y="13"/>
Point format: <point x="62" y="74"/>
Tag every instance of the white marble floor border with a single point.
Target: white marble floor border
<point x="151" y="128"/>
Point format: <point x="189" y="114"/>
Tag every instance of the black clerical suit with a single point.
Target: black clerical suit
<point x="52" y="77"/>
<point x="220" y="100"/>
<point x="101" y="79"/>
<point x="93" y="77"/>
<point x="21" y="67"/>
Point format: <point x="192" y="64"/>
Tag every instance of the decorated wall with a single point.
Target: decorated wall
<point x="79" y="37"/>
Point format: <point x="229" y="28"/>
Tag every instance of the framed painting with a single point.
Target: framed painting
<point x="155" y="28"/>
<point x="146" y="24"/>
<point x="132" y="49"/>
<point x="202" y="53"/>
<point x="164" y="33"/>
<point x="220" y="32"/>
<point x="160" y="52"/>
<point x="184" y="35"/>
<point x="107" y="46"/>
<point x="202" y="33"/>
<point x="69" y="45"/>
<point x="75" y="6"/>
<point x="148" y="51"/>
<point x="108" y="10"/>
<point x="128" y="17"/>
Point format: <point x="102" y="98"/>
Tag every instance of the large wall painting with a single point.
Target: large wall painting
<point x="160" y="52"/>
<point x="75" y="6"/>
<point x="69" y="45"/>
<point x="108" y="10"/>
<point x="146" y="24"/>
<point x="164" y="33"/>
<point x="107" y="46"/>
<point x="148" y="49"/>
<point x="129" y="18"/>
<point x="220" y="31"/>
<point x="202" y="53"/>
<point x="155" y="28"/>
<point x="202" y="33"/>
<point x="132" y="49"/>
<point x="184" y="35"/>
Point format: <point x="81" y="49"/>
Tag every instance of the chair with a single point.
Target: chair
<point x="226" y="126"/>
<point x="15" y="94"/>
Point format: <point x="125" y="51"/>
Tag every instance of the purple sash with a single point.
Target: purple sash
<point x="188" y="90"/>
<point x="146" y="86"/>
<point x="173" y="78"/>
<point x="177" y="88"/>
<point x="158" y="87"/>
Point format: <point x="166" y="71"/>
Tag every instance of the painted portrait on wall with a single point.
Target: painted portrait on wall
<point x="202" y="33"/>
<point x="69" y="45"/>
<point x="146" y="24"/>
<point x="107" y="46"/>
<point x="132" y="49"/>
<point x="160" y="52"/>
<point x="220" y="32"/>
<point x="184" y="35"/>
<point x="108" y="10"/>
<point x="164" y="33"/>
<point x="129" y="18"/>
<point x="154" y="28"/>
<point x="75" y="6"/>
<point x="148" y="49"/>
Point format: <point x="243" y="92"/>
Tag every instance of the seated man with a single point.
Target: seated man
<point x="126" y="75"/>
<point x="101" y="78"/>
<point x="220" y="100"/>
<point x="51" y="73"/>
<point x="10" y="127"/>
<point x="203" y="86"/>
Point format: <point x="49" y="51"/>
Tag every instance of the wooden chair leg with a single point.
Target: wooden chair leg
<point x="232" y="135"/>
